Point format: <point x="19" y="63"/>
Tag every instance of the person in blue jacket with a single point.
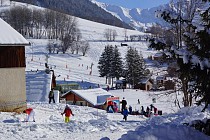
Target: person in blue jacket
<point x="125" y="113"/>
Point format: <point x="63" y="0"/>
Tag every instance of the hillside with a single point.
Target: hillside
<point x="137" y="18"/>
<point x="80" y="8"/>
<point x="71" y="64"/>
<point x="91" y="123"/>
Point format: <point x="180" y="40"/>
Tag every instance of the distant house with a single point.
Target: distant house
<point x="159" y="56"/>
<point x="119" y="84"/>
<point x="169" y="85"/>
<point x="160" y="80"/>
<point x="90" y="97"/>
<point x="12" y="69"/>
<point x="38" y="85"/>
<point x="144" y="84"/>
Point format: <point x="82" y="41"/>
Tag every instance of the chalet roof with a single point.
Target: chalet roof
<point x="145" y="80"/>
<point x="10" y="37"/>
<point x="160" y="77"/>
<point x="158" y="54"/>
<point x="96" y="96"/>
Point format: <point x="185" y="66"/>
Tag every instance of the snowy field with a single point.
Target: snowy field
<point x="93" y="124"/>
<point x="90" y="123"/>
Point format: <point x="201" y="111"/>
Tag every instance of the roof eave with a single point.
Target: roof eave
<point x="3" y="45"/>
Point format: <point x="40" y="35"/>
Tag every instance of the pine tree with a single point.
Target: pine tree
<point x="104" y="64"/>
<point x="192" y="50"/>
<point x="201" y="50"/>
<point x="116" y="64"/>
<point x="135" y="66"/>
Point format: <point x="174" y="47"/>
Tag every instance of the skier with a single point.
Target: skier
<point x="30" y="113"/>
<point x="67" y="111"/>
<point x="125" y="113"/>
<point x="51" y="96"/>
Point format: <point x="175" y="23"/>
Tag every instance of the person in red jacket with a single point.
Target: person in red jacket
<point x="30" y="113"/>
<point x="67" y="113"/>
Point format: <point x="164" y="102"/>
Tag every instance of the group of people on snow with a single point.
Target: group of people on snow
<point x="152" y="110"/>
<point x="30" y="113"/>
<point x="111" y="108"/>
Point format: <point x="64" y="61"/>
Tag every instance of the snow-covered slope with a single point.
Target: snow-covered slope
<point x="138" y="18"/>
<point x="90" y="123"/>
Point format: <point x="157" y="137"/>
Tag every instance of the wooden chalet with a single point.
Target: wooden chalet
<point x="144" y="84"/>
<point x="120" y="84"/>
<point x="12" y="69"/>
<point x="159" y="56"/>
<point x="90" y="97"/>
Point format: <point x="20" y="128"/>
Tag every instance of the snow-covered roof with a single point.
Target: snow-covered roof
<point x="159" y="54"/>
<point x="160" y="78"/>
<point x="96" y="96"/>
<point x="144" y="80"/>
<point x="9" y="36"/>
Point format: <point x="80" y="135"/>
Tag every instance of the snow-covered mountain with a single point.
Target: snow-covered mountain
<point x="139" y="19"/>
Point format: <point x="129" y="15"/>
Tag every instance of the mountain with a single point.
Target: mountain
<point x="80" y="8"/>
<point x="139" y="19"/>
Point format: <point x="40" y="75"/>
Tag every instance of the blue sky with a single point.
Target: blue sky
<point x="135" y="3"/>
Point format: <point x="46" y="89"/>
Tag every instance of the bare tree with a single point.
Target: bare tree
<point x="72" y="47"/>
<point x="106" y="34"/>
<point x="125" y="35"/>
<point x="110" y="34"/>
<point x="84" y="47"/>
<point x="114" y="35"/>
<point x="49" y="47"/>
<point x="77" y="47"/>
<point x="37" y="22"/>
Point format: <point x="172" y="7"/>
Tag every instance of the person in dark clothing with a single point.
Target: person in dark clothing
<point x="148" y="112"/>
<point x="142" y="110"/>
<point x="125" y="113"/>
<point x="51" y="96"/>
<point x="130" y="109"/>
<point x="124" y="103"/>
<point x="138" y="101"/>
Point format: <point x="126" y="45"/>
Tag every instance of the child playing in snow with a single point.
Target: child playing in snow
<point x="67" y="113"/>
<point x="30" y="113"/>
<point x="125" y="113"/>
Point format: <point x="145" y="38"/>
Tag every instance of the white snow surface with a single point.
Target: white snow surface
<point x="91" y="123"/>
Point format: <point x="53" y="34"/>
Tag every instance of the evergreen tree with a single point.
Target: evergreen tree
<point x="201" y="50"/>
<point x="192" y="50"/>
<point x="104" y="64"/>
<point x="116" y="64"/>
<point x="135" y="66"/>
